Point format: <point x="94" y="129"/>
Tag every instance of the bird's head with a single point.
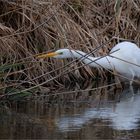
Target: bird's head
<point x="61" y="53"/>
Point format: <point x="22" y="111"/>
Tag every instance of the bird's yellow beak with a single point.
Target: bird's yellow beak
<point x="48" y="55"/>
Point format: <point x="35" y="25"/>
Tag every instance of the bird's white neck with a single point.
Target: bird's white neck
<point x="102" y="62"/>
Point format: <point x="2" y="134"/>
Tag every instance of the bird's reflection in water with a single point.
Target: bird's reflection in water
<point x="124" y="116"/>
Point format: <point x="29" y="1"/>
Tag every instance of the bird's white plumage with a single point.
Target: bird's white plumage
<point x="123" y="58"/>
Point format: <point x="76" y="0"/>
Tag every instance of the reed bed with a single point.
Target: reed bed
<point x="31" y="27"/>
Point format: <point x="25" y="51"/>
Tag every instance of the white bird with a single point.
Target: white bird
<point x="124" y="58"/>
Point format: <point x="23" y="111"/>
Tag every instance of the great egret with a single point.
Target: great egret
<point x="124" y="58"/>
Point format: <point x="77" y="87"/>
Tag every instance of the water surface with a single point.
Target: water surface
<point x="89" y="115"/>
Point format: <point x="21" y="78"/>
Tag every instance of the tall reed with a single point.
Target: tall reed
<point x="29" y="27"/>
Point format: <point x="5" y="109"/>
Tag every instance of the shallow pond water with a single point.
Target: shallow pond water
<point x="81" y="116"/>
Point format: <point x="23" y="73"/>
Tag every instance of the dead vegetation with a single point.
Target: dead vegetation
<point x="30" y="27"/>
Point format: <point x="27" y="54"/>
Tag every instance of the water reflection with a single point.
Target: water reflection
<point x="82" y="118"/>
<point x="124" y="115"/>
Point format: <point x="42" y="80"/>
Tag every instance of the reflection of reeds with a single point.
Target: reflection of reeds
<point x="28" y="28"/>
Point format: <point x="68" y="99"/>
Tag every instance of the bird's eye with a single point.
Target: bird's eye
<point x="60" y="53"/>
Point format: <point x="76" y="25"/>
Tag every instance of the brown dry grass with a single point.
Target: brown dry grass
<point x="30" y="27"/>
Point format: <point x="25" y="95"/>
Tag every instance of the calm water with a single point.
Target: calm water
<point x="89" y="115"/>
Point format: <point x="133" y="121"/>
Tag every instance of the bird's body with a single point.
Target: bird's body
<point x="124" y="58"/>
